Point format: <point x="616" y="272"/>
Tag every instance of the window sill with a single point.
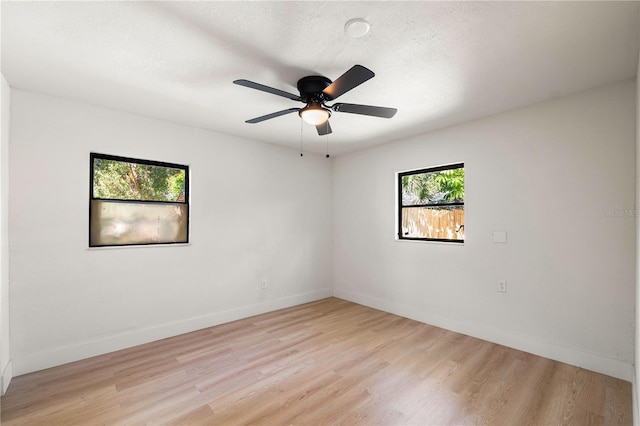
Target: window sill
<point x="138" y="246"/>
<point x="450" y="243"/>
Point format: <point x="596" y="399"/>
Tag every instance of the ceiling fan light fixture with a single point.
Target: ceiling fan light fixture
<point x="314" y="114"/>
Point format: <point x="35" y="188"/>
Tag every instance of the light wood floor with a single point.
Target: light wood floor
<point x="326" y="362"/>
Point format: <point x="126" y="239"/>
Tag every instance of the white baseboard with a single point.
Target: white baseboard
<point x="5" y="377"/>
<point x="572" y="356"/>
<point x="28" y="363"/>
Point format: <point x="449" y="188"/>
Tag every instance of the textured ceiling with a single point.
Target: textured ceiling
<point x="439" y="63"/>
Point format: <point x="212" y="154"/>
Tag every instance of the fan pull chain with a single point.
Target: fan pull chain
<point x="327" y="139"/>
<point x="301" y="154"/>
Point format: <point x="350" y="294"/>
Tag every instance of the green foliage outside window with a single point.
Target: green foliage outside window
<point x="132" y="181"/>
<point x="445" y="186"/>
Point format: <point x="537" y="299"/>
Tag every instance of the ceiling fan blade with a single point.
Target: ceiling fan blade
<point x="272" y="115"/>
<point x="324" y="128"/>
<point x="263" y="88"/>
<point x="347" y="81"/>
<point x="374" y="111"/>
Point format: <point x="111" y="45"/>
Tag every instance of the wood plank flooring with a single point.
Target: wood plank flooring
<point x="321" y="363"/>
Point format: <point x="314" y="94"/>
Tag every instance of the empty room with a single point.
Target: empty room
<point x="319" y="212"/>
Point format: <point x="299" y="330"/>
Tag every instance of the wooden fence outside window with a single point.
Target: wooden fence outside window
<point x="424" y="222"/>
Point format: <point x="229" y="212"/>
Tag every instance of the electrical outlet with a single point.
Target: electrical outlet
<point x="502" y="286"/>
<point x="263" y="284"/>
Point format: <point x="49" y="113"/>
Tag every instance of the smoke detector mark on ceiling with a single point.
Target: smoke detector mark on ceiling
<point x="356" y="27"/>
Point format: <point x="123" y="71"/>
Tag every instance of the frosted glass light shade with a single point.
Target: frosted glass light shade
<point x="314" y="115"/>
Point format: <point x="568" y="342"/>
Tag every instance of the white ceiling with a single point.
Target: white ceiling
<point x="439" y="63"/>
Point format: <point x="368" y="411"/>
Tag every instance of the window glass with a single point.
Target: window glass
<point x="431" y="204"/>
<point x="128" y="180"/>
<point x="136" y="201"/>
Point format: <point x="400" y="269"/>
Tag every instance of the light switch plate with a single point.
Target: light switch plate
<point x="499" y="237"/>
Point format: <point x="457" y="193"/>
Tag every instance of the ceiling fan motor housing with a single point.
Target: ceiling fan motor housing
<point x="311" y="88"/>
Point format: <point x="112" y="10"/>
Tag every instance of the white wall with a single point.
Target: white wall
<point x="258" y="211"/>
<point x="5" y="358"/>
<point x="636" y="396"/>
<point x="547" y="174"/>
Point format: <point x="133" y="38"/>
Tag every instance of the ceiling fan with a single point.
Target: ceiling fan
<point x="316" y="91"/>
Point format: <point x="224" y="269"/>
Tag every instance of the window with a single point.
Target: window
<point x="137" y="202"/>
<point x="431" y="204"/>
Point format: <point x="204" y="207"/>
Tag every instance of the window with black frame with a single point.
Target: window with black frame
<point x="137" y="202"/>
<point x="431" y="204"/>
